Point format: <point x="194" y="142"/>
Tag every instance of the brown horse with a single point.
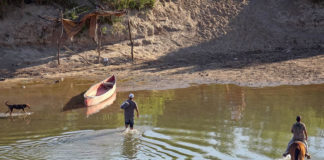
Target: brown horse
<point x="297" y="151"/>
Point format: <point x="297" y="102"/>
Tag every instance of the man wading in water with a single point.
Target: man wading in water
<point x="129" y="106"/>
<point x="300" y="134"/>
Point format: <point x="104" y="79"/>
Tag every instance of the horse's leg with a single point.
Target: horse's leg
<point x="303" y="151"/>
<point x="292" y="151"/>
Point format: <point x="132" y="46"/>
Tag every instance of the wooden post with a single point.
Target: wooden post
<point x="130" y="38"/>
<point x="59" y="39"/>
<point x="98" y="50"/>
<point x="99" y="41"/>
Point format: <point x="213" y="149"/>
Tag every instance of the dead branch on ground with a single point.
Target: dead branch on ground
<point x="76" y="54"/>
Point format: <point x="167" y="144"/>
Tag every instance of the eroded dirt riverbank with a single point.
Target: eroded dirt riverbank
<point x="258" y="69"/>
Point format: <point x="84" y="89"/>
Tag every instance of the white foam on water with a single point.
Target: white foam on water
<point x="16" y="114"/>
<point x="131" y="132"/>
<point x="284" y="158"/>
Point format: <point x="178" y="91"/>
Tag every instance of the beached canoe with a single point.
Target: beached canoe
<point x="100" y="91"/>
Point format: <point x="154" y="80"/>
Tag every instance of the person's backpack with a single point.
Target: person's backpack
<point x="124" y="105"/>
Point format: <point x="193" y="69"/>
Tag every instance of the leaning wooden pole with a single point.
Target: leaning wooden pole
<point x="131" y="40"/>
<point x="59" y="39"/>
<point x="98" y="50"/>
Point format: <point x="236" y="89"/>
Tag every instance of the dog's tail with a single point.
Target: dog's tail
<point x="7" y="103"/>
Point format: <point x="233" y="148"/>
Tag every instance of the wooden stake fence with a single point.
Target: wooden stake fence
<point x="59" y="39"/>
<point x="131" y="40"/>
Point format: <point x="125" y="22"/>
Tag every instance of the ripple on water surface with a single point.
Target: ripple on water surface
<point x="201" y="122"/>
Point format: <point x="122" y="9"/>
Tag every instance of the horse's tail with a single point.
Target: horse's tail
<point x="297" y="151"/>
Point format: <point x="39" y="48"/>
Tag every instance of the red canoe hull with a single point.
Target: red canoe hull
<point x="98" y="92"/>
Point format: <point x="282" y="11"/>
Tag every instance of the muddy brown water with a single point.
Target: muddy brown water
<point x="199" y="122"/>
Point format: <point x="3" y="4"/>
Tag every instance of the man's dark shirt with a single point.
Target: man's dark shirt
<point x="129" y="110"/>
<point x="298" y="130"/>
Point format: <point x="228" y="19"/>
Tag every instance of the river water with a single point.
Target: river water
<point x="199" y="122"/>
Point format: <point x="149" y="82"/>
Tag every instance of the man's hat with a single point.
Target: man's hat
<point x="131" y="95"/>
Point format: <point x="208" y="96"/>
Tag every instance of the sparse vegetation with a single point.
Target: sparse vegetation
<point x="118" y="28"/>
<point x="73" y="9"/>
<point x="104" y="30"/>
<point x="6" y="4"/>
<point x="74" y="13"/>
<point x="129" y="4"/>
<point x="110" y="20"/>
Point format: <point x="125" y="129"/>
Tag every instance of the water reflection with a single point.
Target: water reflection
<point x="96" y="108"/>
<point x="17" y="117"/>
<point x="235" y="97"/>
<point x="130" y="145"/>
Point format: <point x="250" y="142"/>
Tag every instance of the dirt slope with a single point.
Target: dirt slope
<point x="266" y="42"/>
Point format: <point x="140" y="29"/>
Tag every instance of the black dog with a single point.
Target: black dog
<point x="16" y="106"/>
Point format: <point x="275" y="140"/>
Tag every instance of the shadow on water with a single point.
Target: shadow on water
<point x="235" y="96"/>
<point x="75" y="102"/>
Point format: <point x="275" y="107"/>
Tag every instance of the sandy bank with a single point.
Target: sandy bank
<point x="258" y="69"/>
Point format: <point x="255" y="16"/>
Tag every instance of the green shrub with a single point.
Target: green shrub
<point x="132" y="4"/>
<point x="104" y="30"/>
<point x="74" y="13"/>
<point x="5" y="4"/>
<point x="109" y="19"/>
<point x="145" y="4"/>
